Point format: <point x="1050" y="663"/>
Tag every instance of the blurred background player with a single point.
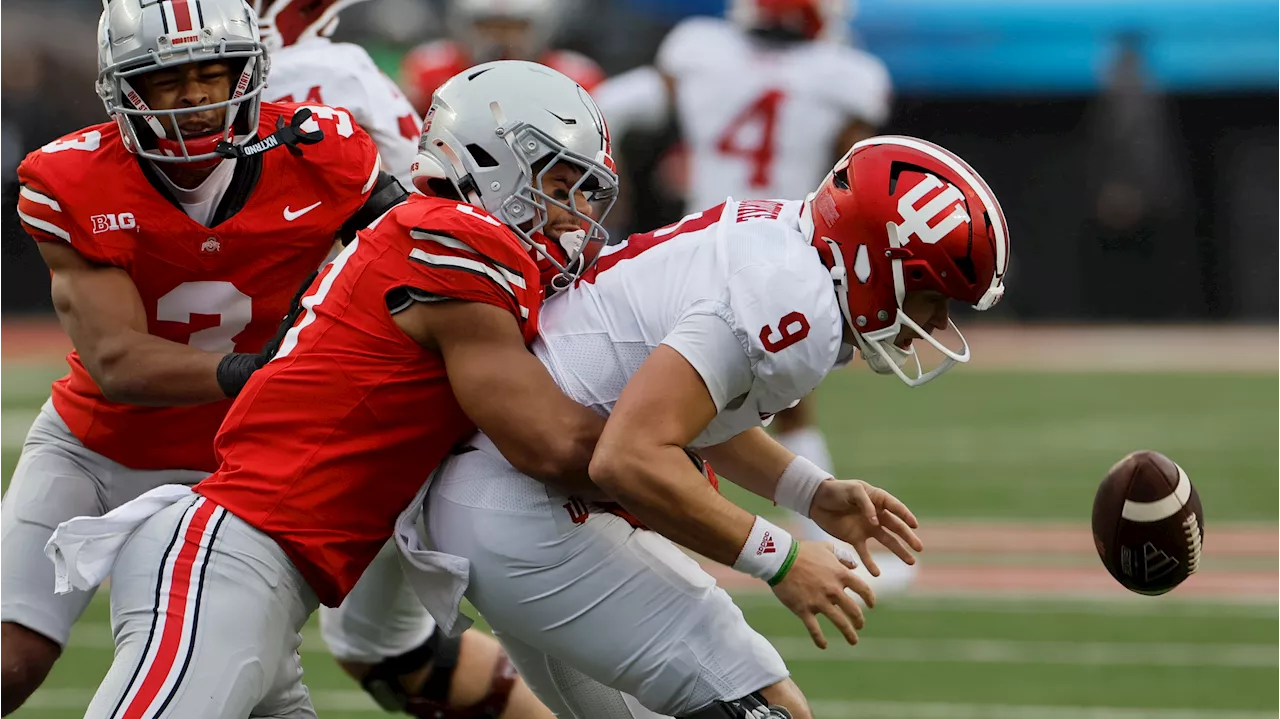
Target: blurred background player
<point x="486" y="30"/>
<point x="467" y="674"/>
<point x="306" y="66"/>
<point x="765" y="101"/>
<point x="173" y="261"/>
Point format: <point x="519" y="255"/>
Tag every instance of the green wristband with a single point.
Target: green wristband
<point x="786" y="564"/>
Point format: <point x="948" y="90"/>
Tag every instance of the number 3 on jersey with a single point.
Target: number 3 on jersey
<point x="233" y="308"/>
<point x="792" y="328"/>
<point x="341" y="119"/>
<point x="757" y="121"/>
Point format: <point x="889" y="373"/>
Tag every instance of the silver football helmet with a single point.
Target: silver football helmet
<point x="494" y="131"/>
<point x="136" y="37"/>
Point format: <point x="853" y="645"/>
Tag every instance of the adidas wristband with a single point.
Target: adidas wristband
<point x="797" y="485"/>
<point x="768" y="553"/>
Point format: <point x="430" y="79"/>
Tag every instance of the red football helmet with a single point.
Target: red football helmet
<point x="898" y="214"/>
<point x="285" y="22"/>
<point x="812" y="19"/>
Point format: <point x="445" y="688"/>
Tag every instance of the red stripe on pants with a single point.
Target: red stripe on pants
<point x="175" y="614"/>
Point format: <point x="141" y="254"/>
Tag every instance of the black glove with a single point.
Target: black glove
<point x="236" y="367"/>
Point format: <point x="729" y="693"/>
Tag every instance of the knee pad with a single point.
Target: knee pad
<point x="431" y="701"/>
<point x="752" y="706"/>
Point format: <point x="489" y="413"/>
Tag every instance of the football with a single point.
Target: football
<point x="1148" y="524"/>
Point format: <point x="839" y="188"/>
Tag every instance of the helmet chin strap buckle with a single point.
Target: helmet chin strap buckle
<point x="287" y="136"/>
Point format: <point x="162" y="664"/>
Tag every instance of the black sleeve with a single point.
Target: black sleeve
<point x="387" y="193"/>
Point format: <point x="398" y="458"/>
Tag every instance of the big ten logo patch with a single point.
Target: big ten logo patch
<point x="111" y="222"/>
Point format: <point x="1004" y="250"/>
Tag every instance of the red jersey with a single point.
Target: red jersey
<point x="329" y="442"/>
<point x="428" y="66"/>
<point x="222" y="288"/>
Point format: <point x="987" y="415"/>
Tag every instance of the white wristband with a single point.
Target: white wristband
<point x="768" y="553"/>
<point x="797" y="485"/>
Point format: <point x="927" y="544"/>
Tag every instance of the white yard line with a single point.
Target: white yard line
<point x="97" y="635"/>
<point x="354" y="700"/>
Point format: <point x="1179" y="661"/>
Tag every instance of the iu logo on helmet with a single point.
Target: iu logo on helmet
<point x="916" y="221"/>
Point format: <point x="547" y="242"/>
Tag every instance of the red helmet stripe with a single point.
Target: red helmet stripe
<point x="182" y="16"/>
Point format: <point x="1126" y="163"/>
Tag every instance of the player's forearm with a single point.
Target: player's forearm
<point x="560" y="449"/>
<point x="662" y="489"/>
<point x="752" y="460"/>
<point x="544" y="434"/>
<point x="138" y="368"/>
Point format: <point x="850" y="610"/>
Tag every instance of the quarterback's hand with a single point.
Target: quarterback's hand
<point x="818" y="584"/>
<point x="853" y="511"/>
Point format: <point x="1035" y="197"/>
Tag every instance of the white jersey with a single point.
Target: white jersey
<point x="343" y="75"/>
<point x="737" y="290"/>
<point x="762" y="121"/>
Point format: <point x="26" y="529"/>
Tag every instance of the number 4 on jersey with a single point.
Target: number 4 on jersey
<point x="758" y="120"/>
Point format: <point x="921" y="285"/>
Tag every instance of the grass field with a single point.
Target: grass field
<point x="1020" y="450"/>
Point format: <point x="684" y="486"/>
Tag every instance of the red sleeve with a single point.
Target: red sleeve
<point x="59" y="181"/>
<point x="460" y="252"/>
<point x="42" y="213"/>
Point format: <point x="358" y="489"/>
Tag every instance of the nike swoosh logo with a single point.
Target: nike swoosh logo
<point x="291" y="216"/>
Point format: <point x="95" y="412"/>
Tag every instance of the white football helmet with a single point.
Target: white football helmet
<point x="136" y="37"/>
<point x="541" y="18"/>
<point x="493" y="131"/>
<point x="285" y="22"/>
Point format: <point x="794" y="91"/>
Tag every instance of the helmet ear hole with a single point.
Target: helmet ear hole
<point x="481" y="156"/>
<point x="841" y="178"/>
<point x="917" y="275"/>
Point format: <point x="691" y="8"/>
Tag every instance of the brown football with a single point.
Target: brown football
<point x="1148" y="524"/>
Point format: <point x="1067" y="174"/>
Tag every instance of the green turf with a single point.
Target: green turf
<point x="1018" y="446"/>
<point x="844" y="673"/>
<point x="972" y="445"/>
<point x="1036" y="445"/>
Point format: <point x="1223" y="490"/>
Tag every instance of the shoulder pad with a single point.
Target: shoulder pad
<point x="59" y="175"/>
<point x="460" y="251"/>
